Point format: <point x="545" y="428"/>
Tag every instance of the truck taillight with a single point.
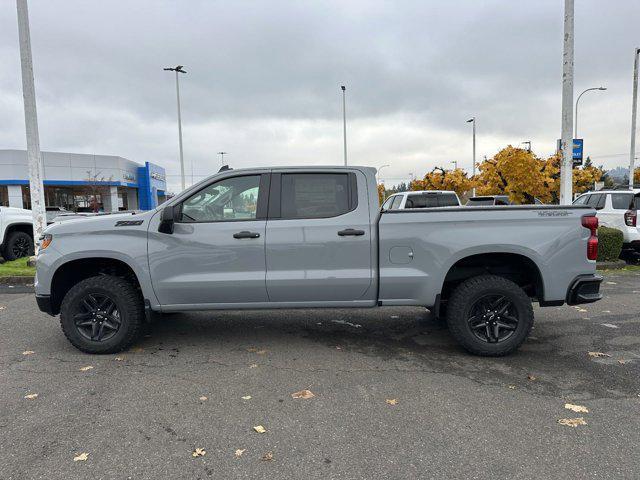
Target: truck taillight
<point x="591" y="222"/>
<point x="631" y="218"/>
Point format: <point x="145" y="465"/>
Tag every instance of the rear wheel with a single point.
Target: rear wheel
<point x="19" y="244"/>
<point x="102" y="314"/>
<point x="489" y="315"/>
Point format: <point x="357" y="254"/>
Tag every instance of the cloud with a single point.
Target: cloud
<point x="263" y="79"/>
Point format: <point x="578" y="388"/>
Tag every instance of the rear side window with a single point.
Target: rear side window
<point x="387" y="203"/>
<point x="502" y="201"/>
<point x="480" y="201"/>
<point x="397" y="200"/>
<point x="622" y="201"/>
<point x="421" y="201"/>
<point x="448" y="200"/>
<point x="317" y="195"/>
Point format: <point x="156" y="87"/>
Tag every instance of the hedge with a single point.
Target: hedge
<point x="609" y="244"/>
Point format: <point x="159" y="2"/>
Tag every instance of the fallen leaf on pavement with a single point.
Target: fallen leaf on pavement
<point x="611" y="283"/>
<point x="199" y="452"/>
<point x="247" y="397"/>
<point x="2" y="307"/>
<point x="203" y="398"/>
<point x="512" y="387"/>
<point x="304" y="394"/>
<point x="581" y="310"/>
<point x="576" y="408"/>
<point x="260" y="429"/>
<point x="28" y="352"/>
<point x="572" y="422"/>
<point x="532" y="377"/>
<point x="239" y="452"/>
<point x="118" y="359"/>
<point x="86" y="369"/>
<point x="81" y="457"/>
<point x="622" y="362"/>
<point x="267" y="457"/>
<point x="31" y="396"/>
<point x="598" y="354"/>
<point x="392" y="401"/>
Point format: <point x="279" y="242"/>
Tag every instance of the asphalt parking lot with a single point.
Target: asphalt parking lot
<point x="394" y="397"/>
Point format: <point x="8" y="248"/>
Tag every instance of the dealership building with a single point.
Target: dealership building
<point x="83" y="182"/>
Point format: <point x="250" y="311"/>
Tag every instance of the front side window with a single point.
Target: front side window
<point x="397" y="200"/>
<point x="230" y="199"/>
<point x="316" y="195"/>
<point x="387" y="204"/>
<point x="596" y="200"/>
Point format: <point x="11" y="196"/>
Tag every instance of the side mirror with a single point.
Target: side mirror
<point x="168" y="219"/>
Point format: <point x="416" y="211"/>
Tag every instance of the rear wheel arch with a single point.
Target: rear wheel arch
<point x="516" y="267"/>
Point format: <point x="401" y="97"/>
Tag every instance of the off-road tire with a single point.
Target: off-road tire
<point x="467" y="294"/>
<point x="129" y="304"/>
<point x="14" y="239"/>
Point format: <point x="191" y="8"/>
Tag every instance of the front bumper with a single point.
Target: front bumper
<point x="44" y="304"/>
<point x="584" y="289"/>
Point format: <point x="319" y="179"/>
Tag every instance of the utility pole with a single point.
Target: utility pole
<point x="634" y="112"/>
<point x="473" y="121"/>
<point x="344" y="122"/>
<point x="179" y="69"/>
<point x="566" y="142"/>
<point x="222" y="154"/>
<point x="31" y="124"/>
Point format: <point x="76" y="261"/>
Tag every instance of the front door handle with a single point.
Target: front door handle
<point x="350" y="232"/>
<point x="246" y="234"/>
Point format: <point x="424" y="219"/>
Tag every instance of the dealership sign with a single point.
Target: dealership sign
<point x="578" y="144"/>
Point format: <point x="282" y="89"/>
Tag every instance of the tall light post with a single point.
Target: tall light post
<point x="455" y="164"/>
<point x="528" y="144"/>
<point x="634" y="111"/>
<point x="31" y="125"/>
<point x="222" y="154"/>
<point x="575" y="130"/>
<point x="566" y="141"/>
<point x="344" y="121"/>
<point x="179" y="69"/>
<point x="473" y="121"/>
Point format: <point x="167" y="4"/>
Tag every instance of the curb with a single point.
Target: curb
<point x="17" y="280"/>
<point x="615" y="265"/>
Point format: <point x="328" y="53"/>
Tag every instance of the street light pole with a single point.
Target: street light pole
<point x="222" y="154"/>
<point x="634" y="111"/>
<point x="575" y="130"/>
<point x="344" y="122"/>
<point x="473" y="121"/>
<point x="36" y="174"/>
<point x="455" y="164"/>
<point x="179" y="69"/>
<point x="528" y="144"/>
<point x="566" y="142"/>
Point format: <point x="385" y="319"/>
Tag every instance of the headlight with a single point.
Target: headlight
<point x="45" y="240"/>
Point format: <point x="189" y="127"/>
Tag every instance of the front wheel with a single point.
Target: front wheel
<point x="489" y="315"/>
<point x="102" y="314"/>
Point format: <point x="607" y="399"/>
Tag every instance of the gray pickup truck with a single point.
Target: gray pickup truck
<point x="314" y="237"/>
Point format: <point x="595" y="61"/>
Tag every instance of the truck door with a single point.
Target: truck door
<point x="318" y="243"/>
<point x="215" y="254"/>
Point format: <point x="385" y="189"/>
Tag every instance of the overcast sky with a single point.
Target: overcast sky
<point x="264" y="78"/>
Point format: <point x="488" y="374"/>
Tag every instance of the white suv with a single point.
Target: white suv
<point x="421" y="199"/>
<point x="617" y="209"/>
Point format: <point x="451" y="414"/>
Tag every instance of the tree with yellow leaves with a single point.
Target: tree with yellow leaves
<point x="381" y="192"/>
<point x="441" y="179"/>
<point x="636" y="176"/>
<point x="583" y="178"/>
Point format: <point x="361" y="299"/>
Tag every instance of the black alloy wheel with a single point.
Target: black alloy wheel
<point x="493" y="318"/>
<point x="97" y="318"/>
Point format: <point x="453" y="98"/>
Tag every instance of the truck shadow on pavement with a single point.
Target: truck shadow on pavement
<point x="554" y="360"/>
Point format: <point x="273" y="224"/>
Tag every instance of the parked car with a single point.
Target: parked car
<point x="306" y="237"/>
<point x="488" y="200"/>
<point x="16" y="233"/>
<point x="617" y="209"/>
<point x="421" y="199"/>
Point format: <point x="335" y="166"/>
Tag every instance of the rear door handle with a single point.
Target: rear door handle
<point x="350" y="232"/>
<point x="246" y="234"/>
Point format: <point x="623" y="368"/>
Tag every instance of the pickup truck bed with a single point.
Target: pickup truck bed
<point x="302" y="237"/>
